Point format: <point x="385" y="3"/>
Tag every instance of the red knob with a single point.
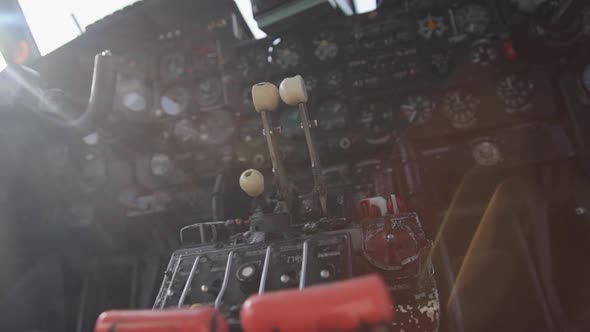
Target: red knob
<point x="341" y="306"/>
<point x="204" y="319"/>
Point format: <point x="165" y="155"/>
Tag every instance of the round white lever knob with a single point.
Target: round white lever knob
<point x="293" y="91"/>
<point x="252" y="182"/>
<point x="265" y="97"/>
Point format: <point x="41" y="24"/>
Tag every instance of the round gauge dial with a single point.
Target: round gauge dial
<point x="172" y="66"/>
<point x="334" y="80"/>
<point x="461" y="108"/>
<point x="291" y="124"/>
<point x="417" y="108"/>
<point x="133" y="95"/>
<point x="209" y="92"/>
<point x="473" y="19"/>
<point x="287" y="54"/>
<point x="134" y="101"/>
<point x="175" y="100"/>
<point x="251" y="132"/>
<point x="483" y="53"/>
<point x="184" y="131"/>
<point x="377" y="122"/>
<point x="160" y="164"/>
<point x="259" y="58"/>
<point x="486" y="153"/>
<point x="515" y="93"/>
<point x="325" y="45"/>
<point x="332" y="114"/>
<point x="216" y="127"/>
<point x="586" y="78"/>
<point x="205" y="57"/>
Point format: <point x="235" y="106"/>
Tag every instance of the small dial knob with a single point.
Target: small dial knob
<point x="292" y="90"/>
<point x="265" y="97"/>
<point x="252" y="182"/>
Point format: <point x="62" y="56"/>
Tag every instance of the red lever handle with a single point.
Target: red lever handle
<point x="204" y="319"/>
<point x="341" y="306"/>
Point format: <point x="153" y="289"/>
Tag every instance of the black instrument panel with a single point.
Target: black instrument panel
<point x="434" y="72"/>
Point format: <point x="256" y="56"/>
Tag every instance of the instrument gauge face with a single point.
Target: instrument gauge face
<point x="378" y="123"/>
<point x="483" y="53"/>
<point x="132" y="95"/>
<point x="184" y="131"/>
<point x="460" y="107"/>
<point x="515" y="93"/>
<point x="486" y="153"/>
<point x="417" y="108"/>
<point x="209" y="92"/>
<point x="134" y="101"/>
<point x="215" y="127"/>
<point x="160" y="164"/>
<point x="259" y="58"/>
<point x="325" y="46"/>
<point x="586" y="78"/>
<point x="332" y="114"/>
<point x="473" y="19"/>
<point x="175" y="100"/>
<point x="287" y="54"/>
<point x="334" y="80"/>
<point x="172" y="66"/>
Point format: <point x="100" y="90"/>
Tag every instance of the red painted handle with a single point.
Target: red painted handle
<point x="341" y="306"/>
<point x="205" y="319"/>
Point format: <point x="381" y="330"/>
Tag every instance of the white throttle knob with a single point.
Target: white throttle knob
<point x="293" y="91"/>
<point x="252" y="182"/>
<point x="265" y="97"/>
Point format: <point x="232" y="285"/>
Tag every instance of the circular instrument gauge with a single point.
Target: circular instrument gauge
<point x="175" y="100"/>
<point x="184" y="131"/>
<point x="332" y="114"/>
<point x="133" y="95"/>
<point x="334" y="80"/>
<point x="134" y="101"/>
<point x="172" y="66"/>
<point x="515" y="93"/>
<point x="483" y="53"/>
<point x="486" y="153"/>
<point x="417" y="108"/>
<point x="160" y="164"/>
<point x="311" y="82"/>
<point x="215" y="127"/>
<point x="259" y="58"/>
<point x="586" y="78"/>
<point x="461" y="108"/>
<point x="209" y="92"/>
<point x="291" y="124"/>
<point x="377" y="122"/>
<point x="325" y="45"/>
<point x="253" y="62"/>
<point x="473" y="19"/>
<point x="287" y="54"/>
<point x="251" y="132"/>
